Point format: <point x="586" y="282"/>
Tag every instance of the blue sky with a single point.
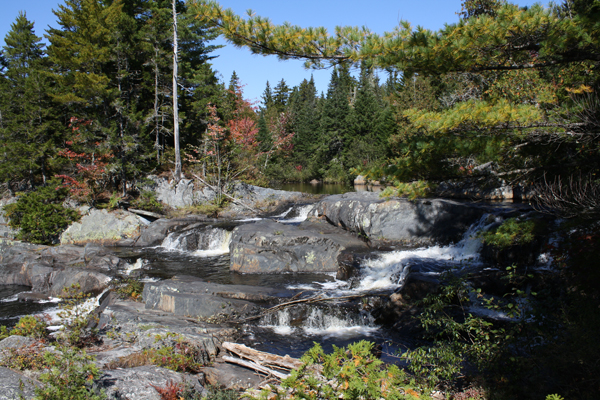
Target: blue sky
<point x="255" y="71"/>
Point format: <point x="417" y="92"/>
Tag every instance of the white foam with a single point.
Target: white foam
<point x="389" y="270"/>
<point x="212" y="242"/>
<point x="10" y="299"/>
<point x="302" y="215"/>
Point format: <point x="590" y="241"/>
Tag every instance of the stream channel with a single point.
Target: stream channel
<point x="204" y="252"/>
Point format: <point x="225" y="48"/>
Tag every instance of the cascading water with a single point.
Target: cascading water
<point x="206" y="242"/>
<point x="297" y="214"/>
<point x="320" y="321"/>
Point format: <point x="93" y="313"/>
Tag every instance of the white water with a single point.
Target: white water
<point x="302" y="215"/>
<point x="389" y="270"/>
<point x="321" y="323"/>
<point x="55" y="319"/>
<point x="210" y="242"/>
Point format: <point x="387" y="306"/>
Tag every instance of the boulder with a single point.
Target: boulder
<point x="271" y="247"/>
<point x="189" y="296"/>
<point x="400" y="220"/>
<point x="139" y="383"/>
<point x="14" y="385"/>
<point x="205" y="345"/>
<point x="90" y="281"/>
<point x="101" y="226"/>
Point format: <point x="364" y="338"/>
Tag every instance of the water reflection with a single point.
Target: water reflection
<point x="315" y="188"/>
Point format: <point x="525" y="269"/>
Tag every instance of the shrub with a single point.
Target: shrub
<point x="511" y="232"/>
<point x="128" y="288"/>
<point x="24" y="358"/>
<point x="76" y="316"/>
<point x="40" y="215"/>
<point x="31" y="326"/>
<point x="71" y="373"/>
<point x="412" y="190"/>
<point x="147" y="201"/>
<point x="348" y="373"/>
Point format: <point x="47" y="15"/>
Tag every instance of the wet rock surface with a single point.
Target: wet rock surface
<point x="48" y="269"/>
<point x="272" y="247"/>
<point x="193" y="297"/>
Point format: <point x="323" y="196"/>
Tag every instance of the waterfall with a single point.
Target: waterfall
<point x="298" y="214"/>
<point x="317" y="321"/>
<point x="389" y="270"/>
<point x="202" y="242"/>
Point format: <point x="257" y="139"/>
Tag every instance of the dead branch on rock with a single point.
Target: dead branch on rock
<point x="310" y="300"/>
<point x="236" y="201"/>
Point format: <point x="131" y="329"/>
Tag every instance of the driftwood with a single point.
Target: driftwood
<point x="262" y="358"/>
<point x="255" y="366"/>
<point x="145" y="213"/>
<point x="236" y="201"/>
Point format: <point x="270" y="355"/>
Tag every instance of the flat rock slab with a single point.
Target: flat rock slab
<point x="189" y="296"/>
<point x="396" y="219"/>
<point x="137" y="383"/>
<point x="267" y="247"/>
<point x="16" y="386"/>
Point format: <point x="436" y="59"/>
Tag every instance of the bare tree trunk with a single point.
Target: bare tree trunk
<point x="156" y="123"/>
<point x="175" y="104"/>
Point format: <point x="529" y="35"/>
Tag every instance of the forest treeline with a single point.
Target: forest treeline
<point x="507" y="95"/>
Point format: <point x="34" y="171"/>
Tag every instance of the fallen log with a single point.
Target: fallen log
<point x="262" y="357"/>
<point x="256" y="367"/>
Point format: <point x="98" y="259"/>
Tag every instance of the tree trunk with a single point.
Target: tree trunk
<point x="175" y="104"/>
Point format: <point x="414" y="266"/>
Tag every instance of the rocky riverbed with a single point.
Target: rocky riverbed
<point x="371" y="254"/>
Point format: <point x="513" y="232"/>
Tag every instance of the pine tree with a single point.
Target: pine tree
<point x="267" y="97"/>
<point x="281" y="94"/>
<point x="29" y="132"/>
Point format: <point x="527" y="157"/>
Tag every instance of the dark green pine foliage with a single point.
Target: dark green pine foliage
<point x="263" y="137"/>
<point x="363" y="143"/>
<point x="29" y="132"/>
<point x="305" y="125"/>
<point x="91" y="73"/>
<point x="267" y="97"/>
<point x="199" y="83"/>
<point x="281" y="94"/>
<point x="334" y="127"/>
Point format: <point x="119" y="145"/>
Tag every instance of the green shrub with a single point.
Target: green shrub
<point x="31" y="326"/>
<point x="147" y="201"/>
<point x="349" y="373"/>
<point x="511" y="232"/>
<point x="40" y="216"/>
<point x="128" y="288"/>
<point x="412" y="190"/>
<point x="71" y="373"/>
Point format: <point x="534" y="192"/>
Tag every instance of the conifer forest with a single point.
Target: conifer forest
<point x="96" y="107"/>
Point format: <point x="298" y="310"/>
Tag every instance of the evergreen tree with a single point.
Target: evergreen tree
<point x="303" y="107"/>
<point x="29" y="132"/>
<point x="267" y="97"/>
<point x="263" y="137"/>
<point x="281" y="95"/>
